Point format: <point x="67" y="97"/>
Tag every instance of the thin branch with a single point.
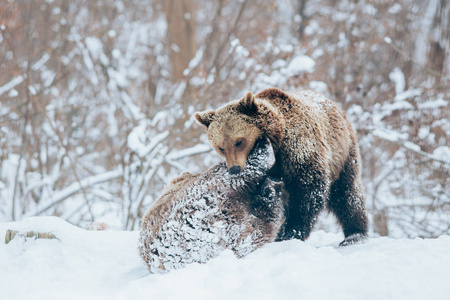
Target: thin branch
<point x="76" y="187"/>
<point x="388" y="41"/>
<point x="379" y="133"/>
<point x="226" y="40"/>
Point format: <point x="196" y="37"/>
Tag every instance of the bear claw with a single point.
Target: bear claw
<point x="353" y="239"/>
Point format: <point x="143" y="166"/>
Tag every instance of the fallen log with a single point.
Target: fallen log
<point x="11" y="234"/>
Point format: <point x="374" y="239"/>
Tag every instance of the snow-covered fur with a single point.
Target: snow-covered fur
<point x="198" y="216"/>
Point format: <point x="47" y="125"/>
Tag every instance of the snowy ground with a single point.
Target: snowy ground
<point x="106" y="265"/>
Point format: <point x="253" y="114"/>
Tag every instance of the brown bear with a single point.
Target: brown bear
<point x="317" y="154"/>
<point x="198" y="216"/>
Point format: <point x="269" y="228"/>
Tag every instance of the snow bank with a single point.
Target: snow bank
<point x="106" y="265"/>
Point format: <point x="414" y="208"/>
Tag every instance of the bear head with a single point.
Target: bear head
<point x="234" y="128"/>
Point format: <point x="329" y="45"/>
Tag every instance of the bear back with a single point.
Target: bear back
<point x="198" y="216"/>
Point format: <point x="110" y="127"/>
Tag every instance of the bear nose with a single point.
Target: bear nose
<point x="234" y="169"/>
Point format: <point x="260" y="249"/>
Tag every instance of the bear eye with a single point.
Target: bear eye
<point x="221" y="150"/>
<point x="238" y="143"/>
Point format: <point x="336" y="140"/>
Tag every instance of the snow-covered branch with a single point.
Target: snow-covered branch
<point x="399" y="139"/>
<point x="76" y="187"/>
<point x="175" y="155"/>
<point x="10" y="85"/>
<point x="197" y="149"/>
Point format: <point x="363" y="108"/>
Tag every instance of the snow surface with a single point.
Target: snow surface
<point x="106" y="265"/>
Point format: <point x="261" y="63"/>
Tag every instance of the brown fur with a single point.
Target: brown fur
<point x="236" y="123"/>
<point x="316" y="149"/>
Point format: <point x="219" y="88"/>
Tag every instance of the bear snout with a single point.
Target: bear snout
<point x="235" y="169"/>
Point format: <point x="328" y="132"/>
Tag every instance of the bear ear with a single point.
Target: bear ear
<point x="247" y="105"/>
<point x="205" y="117"/>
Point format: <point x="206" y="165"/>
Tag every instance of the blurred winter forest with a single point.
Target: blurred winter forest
<point x="97" y="97"/>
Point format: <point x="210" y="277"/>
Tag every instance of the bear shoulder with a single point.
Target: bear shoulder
<point x="273" y="93"/>
<point x="282" y="100"/>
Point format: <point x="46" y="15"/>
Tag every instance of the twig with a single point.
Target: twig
<point x="408" y="145"/>
<point x="388" y="41"/>
<point x="75" y="187"/>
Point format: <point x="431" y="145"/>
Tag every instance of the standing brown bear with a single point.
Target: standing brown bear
<point x="316" y="150"/>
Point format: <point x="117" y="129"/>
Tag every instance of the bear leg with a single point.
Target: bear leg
<point x="346" y="201"/>
<point x="306" y="200"/>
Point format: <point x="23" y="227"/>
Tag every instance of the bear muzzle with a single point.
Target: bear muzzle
<point x="234" y="169"/>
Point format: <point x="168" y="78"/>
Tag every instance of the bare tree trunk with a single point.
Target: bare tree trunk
<point x="181" y="34"/>
<point x="437" y="43"/>
<point x="304" y="18"/>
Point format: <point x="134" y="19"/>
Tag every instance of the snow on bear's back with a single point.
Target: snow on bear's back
<point x="200" y="215"/>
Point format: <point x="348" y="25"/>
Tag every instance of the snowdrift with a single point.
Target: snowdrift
<point x="106" y="265"/>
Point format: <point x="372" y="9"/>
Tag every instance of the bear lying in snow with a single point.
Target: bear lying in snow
<point x="316" y="151"/>
<point x="198" y="216"/>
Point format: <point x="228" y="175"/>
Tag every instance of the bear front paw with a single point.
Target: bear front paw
<point x="292" y="234"/>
